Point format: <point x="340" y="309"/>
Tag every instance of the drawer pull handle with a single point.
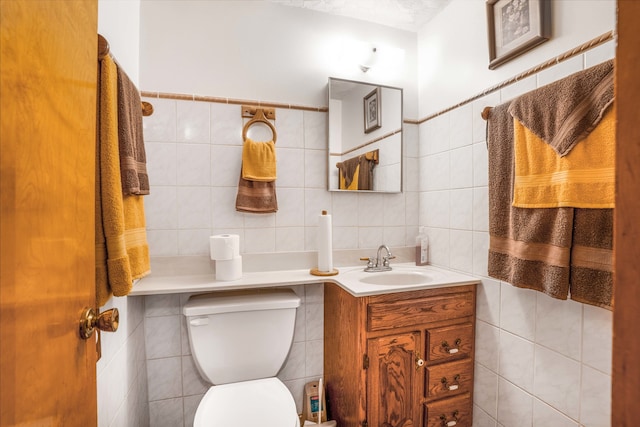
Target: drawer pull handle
<point x="453" y="386"/>
<point x="452" y="350"/>
<point x="419" y="361"/>
<point x="449" y="423"/>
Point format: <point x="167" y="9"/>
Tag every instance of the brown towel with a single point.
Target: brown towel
<point x="364" y="165"/>
<point x="256" y="196"/>
<point x="133" y="166"/>
<point x="564" y="112"/>
<point x="592" y="257"/>
<point x="347" y="171"/>
<point x="529" y="248"/>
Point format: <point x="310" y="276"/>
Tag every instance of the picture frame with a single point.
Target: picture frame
<point x="372" y="110"/>
<point x="515" y="27"/>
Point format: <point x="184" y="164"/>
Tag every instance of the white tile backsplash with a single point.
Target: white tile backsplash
<point x="516" y="360"/>
<point x="461" y="171"/>
<point x="597" y="338"/>
<point x="595" y="398"/>
<point x="515" y="406"/>
<point x="559" y="325"/>
<point x="192" y="122"/>
<point x="546" y="416"/>
<point x="518" y="311"/>
<point x="557" y="381"/>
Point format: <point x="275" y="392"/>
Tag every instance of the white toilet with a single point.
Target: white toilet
<point x="239" y="341"/>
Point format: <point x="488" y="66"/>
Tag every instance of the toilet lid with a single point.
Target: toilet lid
<point x="266" y="402"/>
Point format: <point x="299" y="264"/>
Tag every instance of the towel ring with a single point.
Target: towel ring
<point x="259" y="117"/>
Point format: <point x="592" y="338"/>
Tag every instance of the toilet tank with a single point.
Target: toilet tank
<point x="240" y="336"/>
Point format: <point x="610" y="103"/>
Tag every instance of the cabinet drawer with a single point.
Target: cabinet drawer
<point x="449" y="379"/>
<point x="456" y="412"/>
<point x="450" y="342"/>
<point x="398" y="314"/>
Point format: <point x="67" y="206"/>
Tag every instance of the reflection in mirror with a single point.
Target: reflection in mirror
<point x="365" y="137"/>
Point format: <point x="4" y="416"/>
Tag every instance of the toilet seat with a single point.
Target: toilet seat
<point x="265" y="402"/>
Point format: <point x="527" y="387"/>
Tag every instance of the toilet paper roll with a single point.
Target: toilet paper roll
<point x="325" y="250"/>
<point x="229" y="269"/>
<point x="224" y="246"/>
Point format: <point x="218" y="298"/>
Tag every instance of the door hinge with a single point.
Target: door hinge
<point x="365" y="363"/>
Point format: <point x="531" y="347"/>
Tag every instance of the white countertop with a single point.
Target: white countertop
<point x="349" y="278"/>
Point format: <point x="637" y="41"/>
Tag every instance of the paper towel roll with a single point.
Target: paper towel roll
<point x="224" y="246"/>
<point x="325" y="251"/>
<point x="229" y="269"/>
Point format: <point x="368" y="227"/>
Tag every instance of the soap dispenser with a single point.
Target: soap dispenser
<point x="422" y="247"/>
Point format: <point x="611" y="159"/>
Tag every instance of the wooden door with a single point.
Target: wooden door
<point x="393" y="382"/>
<point x="48" y="86"/>
<point x="626" y="314"/>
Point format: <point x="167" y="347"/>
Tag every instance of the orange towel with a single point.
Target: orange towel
<point x="584" y="178"/>
<point x="259" y="161"/>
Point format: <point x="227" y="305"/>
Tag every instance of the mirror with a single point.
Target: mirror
<point x="365" y="137"/>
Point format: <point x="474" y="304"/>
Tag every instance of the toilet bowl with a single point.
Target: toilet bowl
<point x="239" y="342"/>
<point x="265" y="402"/>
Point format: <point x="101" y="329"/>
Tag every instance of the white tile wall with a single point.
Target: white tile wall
<point x="121" y="371"/>
<point x="539" y="361"/>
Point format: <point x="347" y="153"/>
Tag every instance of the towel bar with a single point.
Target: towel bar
<point x="103" y="51"/>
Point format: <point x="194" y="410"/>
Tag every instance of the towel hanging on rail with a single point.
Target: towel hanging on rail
<point x="257" y="185"/>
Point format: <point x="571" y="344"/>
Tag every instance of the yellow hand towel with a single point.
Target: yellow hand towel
<point x="584" y="178"/>
<point x="259" y="161"/>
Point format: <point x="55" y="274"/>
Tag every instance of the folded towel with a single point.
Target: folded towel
<point x="121" y="249"/>
<point x="256" y="196"/>
<point x="564" y="112"/>
<point x="259" y="160"/>
<point x="585" y="178"/>
<point x="592" y="257"/>
<point x="529" y="248"/>
<point x="133" y="161"/>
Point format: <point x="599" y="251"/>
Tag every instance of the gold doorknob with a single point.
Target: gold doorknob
<point x="106" y="321"/>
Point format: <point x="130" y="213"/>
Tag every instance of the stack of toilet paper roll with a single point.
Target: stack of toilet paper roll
<point x="225" y="251"/>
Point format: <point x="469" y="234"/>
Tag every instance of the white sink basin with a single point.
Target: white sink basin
<point x="402" y="277"/>
<point x="398" y="278"/>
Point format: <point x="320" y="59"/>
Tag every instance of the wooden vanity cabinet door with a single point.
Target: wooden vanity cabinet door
<point x="393" y="381"/>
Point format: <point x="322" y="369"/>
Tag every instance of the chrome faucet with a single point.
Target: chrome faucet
<point x="379" y="264"/>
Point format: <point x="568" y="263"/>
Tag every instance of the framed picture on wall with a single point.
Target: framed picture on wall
<point x="516" y="26"/>
<point x="372" y="111"/>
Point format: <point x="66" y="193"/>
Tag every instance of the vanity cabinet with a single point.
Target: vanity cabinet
<point x="400" y="359"/>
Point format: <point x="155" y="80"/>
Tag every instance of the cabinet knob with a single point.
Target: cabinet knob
<point x="451" y="386"/>
<point x="419" y="361"/>
<point x="449" y="423"/>
<point x="452" y="350"/>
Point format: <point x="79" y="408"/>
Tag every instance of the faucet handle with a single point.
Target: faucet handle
<point x="385" y="260"/>
<point x="370" y="261"/>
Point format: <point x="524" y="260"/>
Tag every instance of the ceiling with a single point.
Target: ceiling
<point x="407" y="15"/>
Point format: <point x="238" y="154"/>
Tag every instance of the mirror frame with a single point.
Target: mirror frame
<point x="372" y="88"/>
